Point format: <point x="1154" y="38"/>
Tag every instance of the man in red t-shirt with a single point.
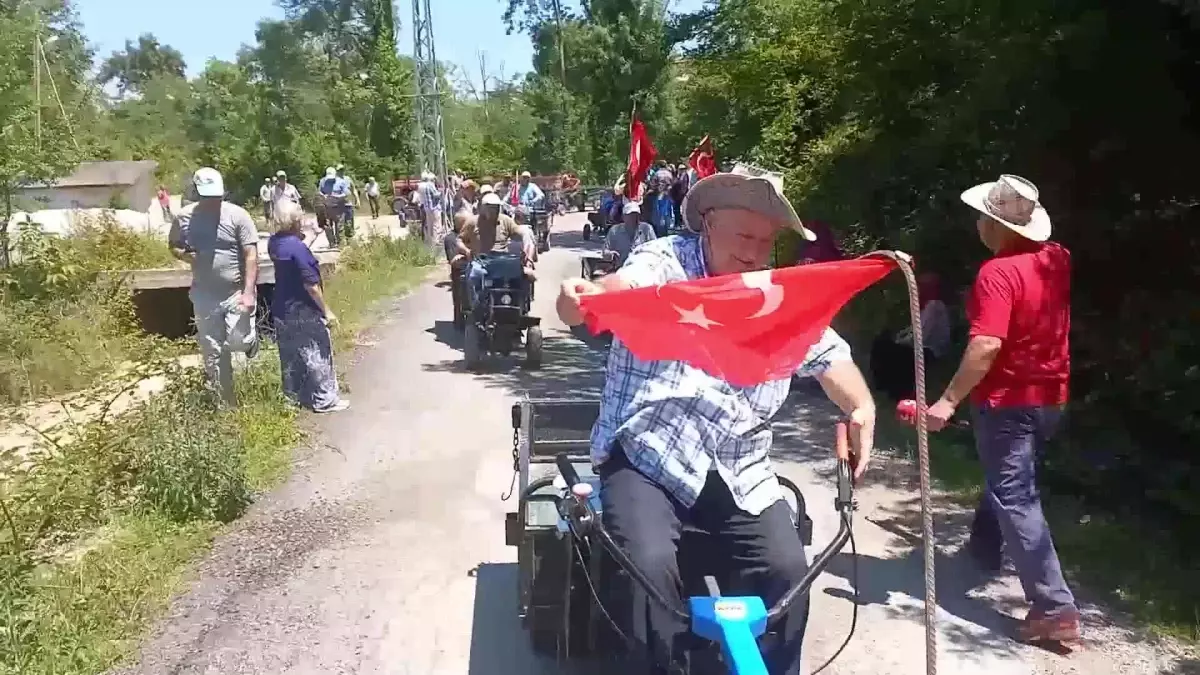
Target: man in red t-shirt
<point x="1015" y="372"/>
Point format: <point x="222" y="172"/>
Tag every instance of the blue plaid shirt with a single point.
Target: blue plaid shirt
<point x="676" y="423"/>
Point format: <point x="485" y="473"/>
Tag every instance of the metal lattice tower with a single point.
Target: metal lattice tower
<point x="430" y="142"/>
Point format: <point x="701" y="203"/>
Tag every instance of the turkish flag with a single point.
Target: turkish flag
<point x="641" y="156"/>
<point x="702" y="160"/>
<point x="743" y="328"/>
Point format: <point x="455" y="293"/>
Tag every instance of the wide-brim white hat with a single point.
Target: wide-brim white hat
<point x="1013" y="202"/>
<point x="745" y="188"/>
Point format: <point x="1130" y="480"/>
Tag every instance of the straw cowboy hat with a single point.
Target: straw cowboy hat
<point x="746" y="188"/>
<point x="1013" y="202"/>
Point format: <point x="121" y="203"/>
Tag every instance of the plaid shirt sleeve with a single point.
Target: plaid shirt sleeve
<point x="651" y="264"/>
<point x="826" y="351"/>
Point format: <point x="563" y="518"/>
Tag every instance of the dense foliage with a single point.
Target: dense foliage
<point x="880" y="113"/>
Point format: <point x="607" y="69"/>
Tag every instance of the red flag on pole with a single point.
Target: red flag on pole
<point x="641" y="156"/>
<point x="702" y="160"/>
<point x="744" y="328"/>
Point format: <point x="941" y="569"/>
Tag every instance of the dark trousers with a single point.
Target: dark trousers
<point x="765" y="549"/>
<point x="374" y="202"/>
<point x="1009" y="442"/>
<point x="892" y="367"/>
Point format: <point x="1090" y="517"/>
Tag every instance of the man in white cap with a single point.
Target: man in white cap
<point x="631" y="233"/>
<point x="1016" y="372"/>
<point x="219" y="240"/>
<point x="491" y="231"/>
<point x="431" y="205"/>
<point x="675" y="446"/>
<point x="264" y="195"/>
<point x="528" y="195"/>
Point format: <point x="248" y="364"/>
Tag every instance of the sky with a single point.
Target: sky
<point x="462" y="29"/>
<point x="218" y="28"/>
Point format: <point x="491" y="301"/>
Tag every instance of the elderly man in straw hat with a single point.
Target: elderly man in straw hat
<point x="675" y="446"/>
<point x="1015" y="374"/>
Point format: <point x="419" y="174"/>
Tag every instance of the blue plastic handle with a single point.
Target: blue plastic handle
<point x="735" y="623"/>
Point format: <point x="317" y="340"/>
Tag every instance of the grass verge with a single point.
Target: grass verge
<point x="96" y="538"/>
<point x="1121" y="560"/>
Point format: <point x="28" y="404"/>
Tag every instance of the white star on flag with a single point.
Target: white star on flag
<point x="696" y="317"/>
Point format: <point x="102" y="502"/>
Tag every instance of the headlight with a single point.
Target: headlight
<point x="506" y="299"/>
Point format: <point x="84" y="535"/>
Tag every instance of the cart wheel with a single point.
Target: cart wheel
<point x="587" y="231"/>
<point x="533" y="347"/>
<point x="472" y="345"/>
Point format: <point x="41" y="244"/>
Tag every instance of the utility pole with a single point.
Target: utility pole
<point x="430" y="141"/>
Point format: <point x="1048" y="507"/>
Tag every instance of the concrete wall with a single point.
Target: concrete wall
<point x="138" y="197"/>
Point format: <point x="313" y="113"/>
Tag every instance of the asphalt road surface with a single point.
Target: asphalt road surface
<point x="384" y="553"/>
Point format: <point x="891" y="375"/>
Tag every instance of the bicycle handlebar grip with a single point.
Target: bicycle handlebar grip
<point x="844" y="469"/>
<point x="569" y="474"/>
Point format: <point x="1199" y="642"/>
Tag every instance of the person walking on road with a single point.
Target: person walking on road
<point x="334" y="193"/>
<point x="352" y="201"/>
<point x="302" y="318"/>
<point x="220" y="242"/>
<point x="431" y="206"/>
<point x="164" y="202"/>
<point x="372" y="190"/>
<point x="283" y="191"/>
<point x="264" y="195"/>
<point x="1015" y="374"/>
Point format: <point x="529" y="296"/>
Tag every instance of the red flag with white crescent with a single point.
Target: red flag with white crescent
<point x="641" y="156"/>
<point x="744" y="328"/>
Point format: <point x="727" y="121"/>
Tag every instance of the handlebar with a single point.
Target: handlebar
<point x="578" y="512"/>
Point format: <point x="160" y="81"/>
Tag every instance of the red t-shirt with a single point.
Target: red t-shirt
<point x="1024" y="298"/>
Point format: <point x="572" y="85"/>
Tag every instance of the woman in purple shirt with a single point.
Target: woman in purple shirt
<point x="302" y="318"/>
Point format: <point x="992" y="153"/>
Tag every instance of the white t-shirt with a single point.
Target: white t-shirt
<point x="264" y="192"/>
<point x="372" y="189"/>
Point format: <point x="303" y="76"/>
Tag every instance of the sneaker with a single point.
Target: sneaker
<point x="341" y="405"/>
<point x="1062" y="627"/>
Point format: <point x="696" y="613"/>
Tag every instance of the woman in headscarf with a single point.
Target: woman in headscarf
<point x="302" y="318"/>
<point x="892" y="354"/>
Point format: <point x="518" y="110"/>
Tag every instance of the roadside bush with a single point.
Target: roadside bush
<point x="63" y="329"/>
<point x="188" y="465"/>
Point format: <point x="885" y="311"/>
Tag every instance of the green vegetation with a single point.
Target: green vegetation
<point x="63" y="327"/>
<point x="95" y="536"/>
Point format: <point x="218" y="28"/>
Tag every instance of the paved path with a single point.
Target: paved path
<point x="385" y="552"/>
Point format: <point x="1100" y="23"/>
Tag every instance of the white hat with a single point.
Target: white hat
<point x="208" y="183"/>
<point x="340" y="167"/>
<point x="490" y="199"/>
<point x="746" y="188"/>
<point x="1013" y="202"/>
<point x="330" y="172"/>
<point x="526" y="174"/>
<point x="425" y="175"/>
<point x="486" y="189"/>
<point x="632" y="207"/>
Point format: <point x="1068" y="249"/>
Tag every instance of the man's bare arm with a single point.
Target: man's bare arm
<point x="845" y="385"/>
<point x="976" y="362"/>
<point x="250" y="253"/>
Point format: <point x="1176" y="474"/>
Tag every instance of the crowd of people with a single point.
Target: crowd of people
<point x="675" y="445"/>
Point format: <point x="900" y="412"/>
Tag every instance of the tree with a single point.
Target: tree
<point x="36" y="140"/>
<point x="140" y="63"/>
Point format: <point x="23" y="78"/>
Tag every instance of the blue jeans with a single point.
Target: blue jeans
<point x="1009" y="442"/>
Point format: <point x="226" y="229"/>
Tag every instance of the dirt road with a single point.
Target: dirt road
<point x="385" y="551"/>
